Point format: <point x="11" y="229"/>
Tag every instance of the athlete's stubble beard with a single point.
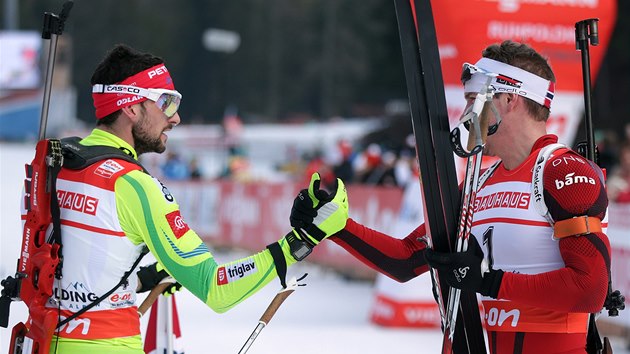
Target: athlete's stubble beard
<point x="142" y="139"/>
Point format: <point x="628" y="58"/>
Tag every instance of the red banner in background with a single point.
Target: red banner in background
<point x="251" y="216"/>
<point x="464" y="28"/>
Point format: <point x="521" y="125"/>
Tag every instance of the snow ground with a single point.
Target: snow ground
<point x="329" y="315"/>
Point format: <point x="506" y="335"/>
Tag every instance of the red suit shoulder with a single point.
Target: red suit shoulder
<point x="574" y="186"/>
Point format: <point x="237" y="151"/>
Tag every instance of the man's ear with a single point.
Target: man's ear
<point x="132" y="111"/>
<point x="512" y="100"/>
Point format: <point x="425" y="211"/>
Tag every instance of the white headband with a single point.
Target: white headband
<point x="510" y="79"/>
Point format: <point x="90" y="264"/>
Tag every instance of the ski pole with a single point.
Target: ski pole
<point x="586" y="32"/>
<point x="169" y="325"/>
<point x="53" y="28"/>
<point x="152" y="297"/>
<point x="282" y="295"/>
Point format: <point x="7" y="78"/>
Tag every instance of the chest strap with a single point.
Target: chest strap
<point x="77" y="156"/>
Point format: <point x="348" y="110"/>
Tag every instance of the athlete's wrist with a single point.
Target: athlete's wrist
<point x="491" y="283"/>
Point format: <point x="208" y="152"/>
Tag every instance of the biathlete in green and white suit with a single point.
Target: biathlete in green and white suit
<point x="112" y="209"/>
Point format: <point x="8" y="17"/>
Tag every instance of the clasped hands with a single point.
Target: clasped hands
<point x="317" y="214"/>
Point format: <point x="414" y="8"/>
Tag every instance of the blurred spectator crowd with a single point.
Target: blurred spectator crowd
<point x="615" y="155"/>
<point x="373" y="164"/>
<point x="176" y="168"/>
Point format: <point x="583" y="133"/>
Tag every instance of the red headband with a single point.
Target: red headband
<point x="155" y="77"/>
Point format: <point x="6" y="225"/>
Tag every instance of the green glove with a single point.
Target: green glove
<point x="317" y="214"/>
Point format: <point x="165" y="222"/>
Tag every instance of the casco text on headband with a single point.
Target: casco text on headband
<point x="166" y="100"/>
<point x="508" y="79"/>
<point x="155" y="77"/>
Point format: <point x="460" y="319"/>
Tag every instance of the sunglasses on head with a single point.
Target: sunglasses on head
<point x="166" y="100"/>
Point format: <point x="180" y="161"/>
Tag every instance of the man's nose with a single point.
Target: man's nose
<point x="175" y="119"/>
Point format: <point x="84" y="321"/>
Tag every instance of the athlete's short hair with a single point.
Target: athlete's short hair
<point x="527" y="58"/>
<point x="120" y="63"/>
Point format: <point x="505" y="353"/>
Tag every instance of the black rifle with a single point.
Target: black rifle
<point x="586" y="31"/>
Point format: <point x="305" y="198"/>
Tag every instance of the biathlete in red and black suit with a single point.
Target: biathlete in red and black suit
<point x="548" y="270"/>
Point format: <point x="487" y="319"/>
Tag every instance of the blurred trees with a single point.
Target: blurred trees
<point x="298" y="59"/>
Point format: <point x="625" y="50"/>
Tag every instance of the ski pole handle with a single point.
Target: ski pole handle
<point x="282" y="295"/>
<point x="153" y="295"/>
<point x="274" y="305"/>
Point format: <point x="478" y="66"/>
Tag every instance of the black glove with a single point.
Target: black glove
<point x="466" y="270"/>
<point x="318" y="213"/>
<point x="303" y="213"/>
<point x="149" y="277"/>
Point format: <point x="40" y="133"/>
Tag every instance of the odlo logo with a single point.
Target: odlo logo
<point x="571" y="178"/>
<point x="460" y="273"/>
